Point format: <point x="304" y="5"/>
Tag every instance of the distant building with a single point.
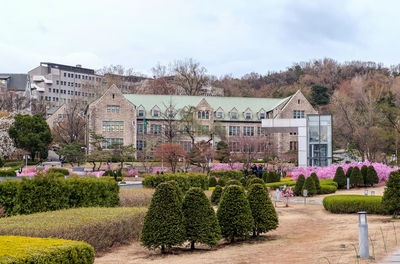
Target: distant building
<point x="138" y="119"/>
<point x="17" y="82"/>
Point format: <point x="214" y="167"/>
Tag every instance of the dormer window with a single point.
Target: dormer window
<point x="234" y="115"/>
<point x="219" y="114"/>
<point x="262" y="115"/>
<point x="248" y="116"/>
<point x="156" y="112"/>
<point x="141" y="112"/>
<point x="203" y="115"/>
<point x="170" y="114"/>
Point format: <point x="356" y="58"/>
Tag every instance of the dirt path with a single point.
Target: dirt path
<point x="306" y="234"/>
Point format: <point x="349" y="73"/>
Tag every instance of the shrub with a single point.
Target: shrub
<point x="364" y="172"/>
<point x="348" y="172"/>
<point x="163" y="225"/>
<point x="18" y="249"/>
<point x="355" y="177"/>
<point x="255" y="181"/>
<point x="8" y="173"/>
<point x="234" y="214"/>
<point x="262" y="210"/>
<point x="372" y="176"/>
<point x="212" y="182"/>
<point x="216" y="194"/>
<point x="328" y="182"/>
<point x="201" y="223"/>
<point x="309" y="185"/>
<point x="100" y="227"/>
<point x="184" y="180"/>
<point x="325" y="189"/>
<point x="177" y="189"/>
<point x="271" y="176"/>
<point x="316" y="181"/>
<point x="230" y="174"/>
<point x="391" y="195"/>
<point x="222" y="182"/>
<point x="135" y="197"/>
<point x="58" y="170"/>
<point x="275" y="185"/>
<point x="299" y="185"/>
<point x="345" y="204"/>
<point x="42" y="193"/>
<point x="233" y="182"/>
<point x="340" y="178"/>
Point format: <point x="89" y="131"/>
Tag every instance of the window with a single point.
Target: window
<point x="170" y="114"/>
<point x="234" y="115"/>
<point x="65" y="74"/>
<point x="60" y="116"/>
<point x="234" y="146"/>
<point x="234" y="130"/>
<point x="155" y="129"/>
<point x="49" y="90"/>
<point x="298" y="114"/>
<point x="219" y="114"/>
<point x="293" y="145"/>
<point x="298" y="101"/>
<point x="155" y="112"/>
<point x="113" y="108"/>
<point x="141" y="112"/>
<point x="113" y="126"/>
<point x="293" y="133"/>
<point x="141" y="129"/>
<point x="203" y="115"/>
<point x="248" y="131"/>
<point x="140" y="144"/>
<point x="260" y="131"/>
<point x="112" y="141"/>
<point x="262" y="115"/>
<point x="248" y="116"/>
<point x="187" y="145"/>
<point x="57" y="82"/>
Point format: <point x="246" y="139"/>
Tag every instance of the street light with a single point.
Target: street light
<point x="363" y="235"/>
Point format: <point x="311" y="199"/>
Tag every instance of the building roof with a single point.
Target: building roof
<point x="63" y="67"/>
<point x="15" y="81"/>
<point x="241" y="104"/>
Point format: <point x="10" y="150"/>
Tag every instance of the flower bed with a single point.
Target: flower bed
<point x="227" y="166"/>
<point x="328" y="172"/>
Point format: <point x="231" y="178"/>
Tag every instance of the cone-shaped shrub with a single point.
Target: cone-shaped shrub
<point x="234" y="214"/>
<point x="299" y="185"/>
<point x="216" y="195"/>
<point x="340" y="178"/>
<point x="364" y="172"/>
<point x="309" y="185"/>
<point x="372" y="176"/>
<point x="272" y="176"/>
<point x="316" y="181"/>
<point x="178" y="190"/>
<point x="263" y="212"/>
<point x="233" y="182"/>
<point x="212" y="181"/>
<point x="356" y="178"/>
<point x="163" y="224"/>
<point x="201" y="223"/>
<point x="348" y="172"/>
<point x="254" y="181"/>
<point x="391" y="196"/>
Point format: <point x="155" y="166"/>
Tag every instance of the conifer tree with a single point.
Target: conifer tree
<point x="340" y="177"/>
<point x="316" y="181"/>
<point x="299" y="185"/>
<point x="364" y="172"/>
<point x="356" y="178"/>
<point x="348" y="172"/>
<point x="201" y="223"/>
<point x="163" y="224"/>
<point x="391" y="195"/>
<point x="234" y="214"/>
<point x="216" y="195"/>
<point x="372" y="176"/>
<point x="309" y="185"/>
<point x="254" y="181"/>
<point x="262" y="210"/>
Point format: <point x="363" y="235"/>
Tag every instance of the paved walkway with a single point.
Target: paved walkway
<point x="393" y="258"/>
<point x="299" y="200"/>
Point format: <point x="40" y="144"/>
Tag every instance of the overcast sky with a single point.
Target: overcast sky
<point x="227" y="37"/>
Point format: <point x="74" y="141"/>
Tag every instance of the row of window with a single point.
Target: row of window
<point x="298" y="114"/>
<point x="204" y="114"/>
<point x="83" y="77"/>
<point x="112" y="141"/>
<point x="74" y="84"/>
<point x="70" y="92"/>
<point x="113" y="108"/>
<point x="113" y="126"/>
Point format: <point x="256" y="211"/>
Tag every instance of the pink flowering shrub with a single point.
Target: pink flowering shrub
<point x="97" y="174"/>
<point x="27" y="172"/>
<point x="328" y="172"/>
<point x="227" y="166"/>
<point x="133" y="172"/>
<point x="159" y="170"/>
<point x="286" y="194"/>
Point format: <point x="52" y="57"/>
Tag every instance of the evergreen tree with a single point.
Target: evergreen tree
<point x="364" y="172"/>
<point x="391" y="196"/>
<point x="299" y="185"/>
<point x="222" y="152"/>
<point x="320" y="95"/>
<point x="316" y="181"/>
<point x="178" y="190"/>
<point x="309" y="185"/>
<point x="372" y="176"/>
<point x="255" y="181"/>
<point x="348" y="173"/>
<point x="163" y="224"/>
<point x="340" y="178"/>
<point x="272" y="176"/>
<point x="212" y="181"/>
<point x="264" y="214"/>
<point x="233" y="182"/>
<point x="216" y="195"/>
<point x="356" y="178"/>
<point x="234" y="214"/>
<point x="201" y="223"/>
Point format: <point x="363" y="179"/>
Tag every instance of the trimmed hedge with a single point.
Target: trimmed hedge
<point x="100" y="227"/>
<point x="325" y="189"/>
<point x="346" y="204"/>
<point x="277" y="184"/>
<point x="328" y="182"/>
<point x="20" y="250"/>
<point x="58" y="170"/>
<point x="230" y="174"/>
<point x="184" y="180"/>
<point x="8" y="173"/>
<point x="44" y="193"/>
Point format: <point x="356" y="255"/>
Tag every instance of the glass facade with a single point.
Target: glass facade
<point x="319" y="138"/>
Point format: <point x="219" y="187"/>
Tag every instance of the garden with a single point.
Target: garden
<point x="227" y="215"/>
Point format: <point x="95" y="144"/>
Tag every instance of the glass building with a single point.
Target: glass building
<point x="319" y="139"/>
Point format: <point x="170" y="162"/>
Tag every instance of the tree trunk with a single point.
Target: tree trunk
<point x="94" y="165"/>
<point x="232" y="239"/>
<point x="163" y="249"/>
<point x="192" y="245"/>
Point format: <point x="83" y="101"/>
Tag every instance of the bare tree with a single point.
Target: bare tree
<point x="189" y="76"/>
<point x="171" y="152"/>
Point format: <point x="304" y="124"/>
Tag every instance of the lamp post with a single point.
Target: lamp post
<point x="363" y="235"/>
<point x="348" y="183"/>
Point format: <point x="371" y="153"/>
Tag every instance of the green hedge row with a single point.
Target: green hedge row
<point x="275" y="185"/>
<point x="100" y="227"/>
<point x="22" y="250"/>
<point x="46" y="193"/>
<point x="325" y="189"/>
<point x="345" y="204"/>
<point x="229" y="174"/>
<point x="58" y="170"/>
<point x="184" y="180"/>
<point x="8" y="173"/>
